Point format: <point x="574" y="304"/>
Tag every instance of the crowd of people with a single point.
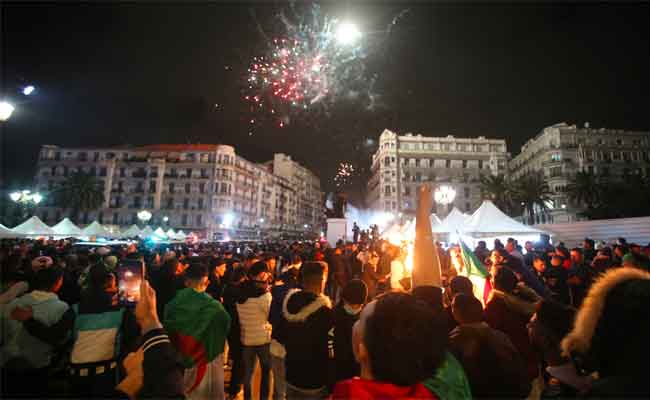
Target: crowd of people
<point x="321" y="321"/>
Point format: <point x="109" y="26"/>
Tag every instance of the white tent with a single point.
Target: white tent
<point x="66" y="228"/>
<point x="146" y="232"/>
<point x="180" y="235"/>
<point x="454" y="222"/>
<point x="160" y="233"/>
<point x="34" y="227"/>
<point x="132" y="231"/>
<point x="96" y="229"/>
<point x="488" y="220"/>
<point x="170" y="233"/>
<point x="6" y="233"/>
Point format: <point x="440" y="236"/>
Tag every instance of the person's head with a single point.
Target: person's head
<point x="635" y="249"/>
<point x="505" y="280"/>
<point x="48" y="280"/>
<point x="466" y="309"/>
<point x="456" y="258"/>
<point x="270" y="262"/>
<point x="41" y="262"/>
<point x="354" y="296"/>
<point x="196" y="277"/>
<point x="219" y="266"/>
<point x="398" y="340"/>
<point x="431" y="296"/>
<point x="576" y="256"/>
<point x="539" y="263"/>
<point x="556" y="261"/>
<point x="611" y="326"/>
<point x="528" y="246"/>
<point x="498" y="256"/>
<point x="498" y="244"/>
<point x="588" y="244"/>
<point x="314" y="276"/>
<point x="511" y="245"/>
<point x="482" y="244"/>
<point x="629" y="260"/>
<point x="461" y="284"/>
<point x="620" y="250"/>
<point x="259" y="275"/>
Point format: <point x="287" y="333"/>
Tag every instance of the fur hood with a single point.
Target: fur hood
<point x="298" y="305"/>
<point x="589" y="315"/>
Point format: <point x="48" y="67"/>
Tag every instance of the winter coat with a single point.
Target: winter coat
<point x="510" y="315"/>
<point x="363" y="389"/>
<point x="308" y="319"/>
<point x="345" y="363"/>
<point x="479" y="348"/>
<point x="253" y="310"/>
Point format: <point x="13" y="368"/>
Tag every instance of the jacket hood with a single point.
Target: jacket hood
<point x="298" y="305"/>
<point x="589" y="315"/>
<point x="248" y="290"/>
<point x="363" y="389"/>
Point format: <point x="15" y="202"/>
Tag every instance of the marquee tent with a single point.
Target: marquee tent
<point x="33" y="227"/>
<point x="146" y="232"/>
<point x="6" y="233"/>
<point x="96" y="229"/>
<point x="454" y="222"/>
<point x="170" y="233"/>
<point x="488" y="220"/>
<point x="131" y="232"/>
<point x="160" y="233"/>
<point x="66" y="228"/>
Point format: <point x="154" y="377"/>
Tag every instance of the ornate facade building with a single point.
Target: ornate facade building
<point x="195" y="187"/>
<point x="403" y="162"/>
<point x="561" y="150"/>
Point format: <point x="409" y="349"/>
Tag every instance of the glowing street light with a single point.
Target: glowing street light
<point x="29" y="89"/>
<point x="165" y="218"/>
<point x="144" y="216"/>
<point x="347" y="33"/>
<point x="25" y="197"/>
<point x="15" y="196"/>
<point x="444" y="195"/>
<point x="6" y="109"/>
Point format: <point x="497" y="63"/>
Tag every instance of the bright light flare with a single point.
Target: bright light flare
<point x="15" y="196"/>
<point x="37" y="198"/>
<point x="144" y="215"/>
<point x="347" y="33"/>
<point x="6" y="110"/>
<point x="444" y="195"/>
<point x="228" y="219"/>
<point x="27" y="90"/>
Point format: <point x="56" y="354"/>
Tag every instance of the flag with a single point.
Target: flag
<point x="476" y="272"/>
<point x="198" y="326"/>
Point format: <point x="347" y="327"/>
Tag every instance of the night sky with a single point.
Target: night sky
<point x="150" y="73"/>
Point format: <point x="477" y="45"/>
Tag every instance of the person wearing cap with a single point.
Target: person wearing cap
<point x="346" y="313"/>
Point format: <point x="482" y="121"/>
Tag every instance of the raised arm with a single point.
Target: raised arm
<point x="426" y="264"/>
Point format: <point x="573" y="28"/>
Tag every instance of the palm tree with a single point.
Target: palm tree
<point x="532" y="192"/>
<point x="80" y="192"/>
<point x="496" y="189"/>
<point x="585" y="189"/>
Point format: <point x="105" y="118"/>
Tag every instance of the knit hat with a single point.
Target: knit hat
<point x="355" y="292"/>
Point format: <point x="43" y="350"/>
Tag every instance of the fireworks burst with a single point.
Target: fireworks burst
<point x="313" y="61"/>
<point x="344" y="175"/>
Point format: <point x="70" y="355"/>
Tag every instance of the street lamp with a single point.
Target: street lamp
<point x="165" y="218"/>
<point x="6" y="109"/>
<point x="29" y="89"/>
<point x="144" y="216"/>
<point x="444" y="195"/>
<point x="25" y="197"/>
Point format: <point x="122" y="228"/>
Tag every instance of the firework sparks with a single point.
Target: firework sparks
<point x="344" y="174"/>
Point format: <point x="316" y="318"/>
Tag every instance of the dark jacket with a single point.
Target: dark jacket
<point x="480" y="349"/>
<point x="308" y="321"/>
<point x="279" y="292"/>
<point x="345" y="364"/>
<point x="163" y="371"/>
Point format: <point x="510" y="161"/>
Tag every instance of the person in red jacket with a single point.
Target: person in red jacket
<point x="398" y="344"/>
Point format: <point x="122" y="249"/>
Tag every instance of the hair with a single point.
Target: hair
<point x="431" y="296"/>
<point x="461" y="284"/>
<point x="505" y="280"/>
<point x="98" y="277"/>
<point x="46" y="278"/>
<point x="468" y="308"/>
<point x="312" y="272"/>
<point x="555" y="316"/>
<point x="355" y="292"/>
<point x="405" y="341"/>
<point x="258" y="268"/>
<point x="196" y="272"/>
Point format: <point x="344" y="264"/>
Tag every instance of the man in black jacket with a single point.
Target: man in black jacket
<point x="308" y="319"/>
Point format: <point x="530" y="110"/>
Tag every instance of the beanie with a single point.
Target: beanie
<point x="355" y="292"/>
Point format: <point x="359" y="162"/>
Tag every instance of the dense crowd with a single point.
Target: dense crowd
<point x="323" y="321"/>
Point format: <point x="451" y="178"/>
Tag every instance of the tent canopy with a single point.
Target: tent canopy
<point x="132" y="231"/>
<point x="146" y="232"/>
<point x="6" y="233"/>
<point x="160" y="233"/>
<point x="66" y="228"/>
<point x="488" y="219"/>
<point x="34" y="227"/>
<point x="96" y="229"/>
<point x="454" y="221"/>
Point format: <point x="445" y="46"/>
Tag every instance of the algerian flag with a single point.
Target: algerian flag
<point x="476" y="272"/>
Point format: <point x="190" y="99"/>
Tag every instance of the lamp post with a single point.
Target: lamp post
<point x="25" y="199"/>
<point x="144" y="216"/>
<point x="444" y="195"/>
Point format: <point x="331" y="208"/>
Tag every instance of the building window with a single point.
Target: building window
<point x="189" y="172"/>
<point x="417" y="162"/>
<point x="199" y="220"/>
<point x="464" y="163"/>
<point x="102" y="171"/>
<point x="186" y="203"/>
<point x="480" y="164"/>
<point x="200" y="204"/>
<point x="407" y="191"/>
<point x="116" y="219"/>
<point x="184" y="220"/>
<point x="187" y="188"/>
<point x="152" y="187"/>
<point x="202" y="187"/>
<point x="386" y="161"/>
<point x="467" y="191"/>
<point x="387" y="190"/>
<point x="447" y="163"/>
<point x="100" y="218"/>
<point x="467" y="207"/>
<point x="556" y="157"/>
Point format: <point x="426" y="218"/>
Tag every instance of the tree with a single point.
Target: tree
<point x="532" y="192"/>
<point x="585" y="189"/>
<point x="498" y="190"/>
<point x="79" y="193"/>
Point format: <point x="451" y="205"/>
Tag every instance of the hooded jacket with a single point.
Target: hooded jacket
<point x="253" y="309"/>
<point x="308" y="319"/>
<point x="363" y="389"/>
